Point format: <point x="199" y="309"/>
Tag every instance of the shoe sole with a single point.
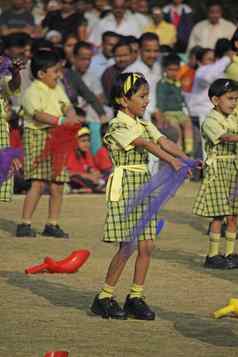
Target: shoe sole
<point x="92" y="313"/>
<point x="50" y="236"/>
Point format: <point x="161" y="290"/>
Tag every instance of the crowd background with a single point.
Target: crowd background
<point x="180" y="47"/>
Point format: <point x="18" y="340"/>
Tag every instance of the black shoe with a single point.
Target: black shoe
<point x="52" y="230"/>
<point x="138" y="309"/>
<point x="218" y="262"/>
<point x="25" y="230"/>
<point x="108" y="308"/>
<point x="232" y="261"/>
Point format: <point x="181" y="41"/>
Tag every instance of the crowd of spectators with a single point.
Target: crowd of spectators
<point x="98" y="39"/>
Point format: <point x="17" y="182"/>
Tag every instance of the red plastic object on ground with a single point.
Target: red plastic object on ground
<point x="57" y="354"/>
<point x="68" y="265"/>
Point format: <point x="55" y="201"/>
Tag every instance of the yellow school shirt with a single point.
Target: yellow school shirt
<point x="124" y="130"/>
<point x="167" y="32"/>
<point x="39" y="98"/>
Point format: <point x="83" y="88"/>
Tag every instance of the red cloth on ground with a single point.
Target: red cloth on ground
<point x="80" y="164"/>
<point x="102" y="159"/>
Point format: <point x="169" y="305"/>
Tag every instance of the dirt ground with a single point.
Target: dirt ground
<point x="46" y="312"/>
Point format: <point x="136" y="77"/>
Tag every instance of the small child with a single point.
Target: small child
<point x="220" y="131"/>
<point x="130" y="140"/>
<point x="171" y="104"/>
<point x="45" y="105"/>
<point x="82" y="169"/>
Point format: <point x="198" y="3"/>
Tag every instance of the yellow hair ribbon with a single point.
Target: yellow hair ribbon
<point x="130" y="82"/>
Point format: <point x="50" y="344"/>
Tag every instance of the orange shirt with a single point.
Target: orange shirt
<point x="186" y="77"/>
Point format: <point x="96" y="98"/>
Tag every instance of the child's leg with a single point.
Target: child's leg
<point x="214" y="236"/>
<point x="188" y="136"/>
<point x="55" y="202"/>
<point x="115" y="269"/>
<point x="31" y="200"/>
<point x="135" y="305"/>
<point x="230" y="235"/>
<point x="145" y="249"/>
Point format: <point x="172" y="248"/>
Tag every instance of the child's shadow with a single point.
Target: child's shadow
<point x="207" y="330"/>
<point x="194" y="262"/>
<point x="8" y="226"/>
<point x="178" y="217"/>
<point x="57" y="294"/>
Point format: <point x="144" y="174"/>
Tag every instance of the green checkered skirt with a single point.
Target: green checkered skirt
<point x="6" y="189"/>
<point x="221" y="179"/>
<point x="118" y="228"/>
<point x="34" y="143"/>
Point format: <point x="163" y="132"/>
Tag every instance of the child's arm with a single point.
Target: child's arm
<point x="229" y="138"/>
<point x="46" y="118"/>
<point x="157" y="151"/>
<point x="171" y="148"/>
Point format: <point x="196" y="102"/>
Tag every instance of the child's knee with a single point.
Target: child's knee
<point x="56" y="189"/>
<point x="146" y="247"/>
<point x="38" y="185"/>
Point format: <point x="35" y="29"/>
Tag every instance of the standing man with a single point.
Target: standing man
<point x="207" y="32"/>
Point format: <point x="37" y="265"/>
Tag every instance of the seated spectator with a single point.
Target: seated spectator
<point x="186" y="73"/>
<point x="232" y="70"/>
<point x="171" y="103"/>
<point x="206" y="33"/>
<point x="83" y="172"/>
<point x="180" y="15"/>
<point x="69" y="43"/>
<point x="16" y="19"/>
<point x="135" y="46"/>
<point x="209" y="70"/>
<point x="119" y="20"/>
<point x="123" y="56"/>
<point x="100" y="9"/>
<point x="148" y="65"/>
<point x="166" y="31"/>
<point x="140" y="12"/>
<point x="102" y="158"/>
<point x="66" y="20"/>
<point x="104" y="59"/>
<point x="83" y="53"/>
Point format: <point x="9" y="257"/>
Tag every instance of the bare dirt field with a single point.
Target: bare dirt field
<point x="50" y="312"/>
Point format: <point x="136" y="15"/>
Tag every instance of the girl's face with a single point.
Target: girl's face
<point x="208" y="58"/>
<point x="84" y="143"/>
<point x="226" y="103"/>
<point x="136" y="105"/>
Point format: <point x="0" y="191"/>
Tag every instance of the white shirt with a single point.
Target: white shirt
<point x="152" y="75"/>
<point x="142" y="20"/>
<point x="99" y="64"/>
<point x="128" y="26"/>
<point x="198" y="101"/>
<point x="205" y="34"/>
<point x="95" y="86"/>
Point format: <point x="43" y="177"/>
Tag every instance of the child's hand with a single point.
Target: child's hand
<point x="176" y="164"/>
<point x="18" y="65"/>
<point x="16" y="164"/>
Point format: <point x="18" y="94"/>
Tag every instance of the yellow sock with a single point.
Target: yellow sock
<point x="230" y="242"/>
<point x="106" y="292"/>
<point x="214" y="242"/>
<point x="136" y="291"/>
<point x="188" y="144"/>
